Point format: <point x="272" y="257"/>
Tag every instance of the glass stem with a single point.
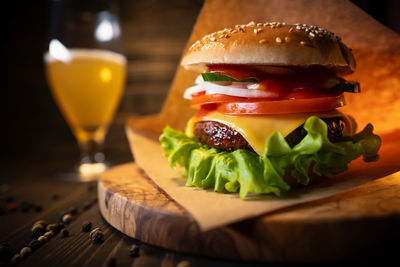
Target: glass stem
<point x="91" y="151"/>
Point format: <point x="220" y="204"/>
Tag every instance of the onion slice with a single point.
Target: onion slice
<point x="239" y="90"/>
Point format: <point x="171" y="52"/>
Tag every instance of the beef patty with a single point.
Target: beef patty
<point x="223" y="137"/>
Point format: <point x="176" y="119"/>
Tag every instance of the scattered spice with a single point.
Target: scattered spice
<point x="24" y="206"/>
<point x="5" y="251"/>
<point x="64" y="232"/>
<point x="86" y="205"/>
<point x="97" y="236"/>
<point x="9" y="199"/>
<point x="4" y="188"/>
<point x="51" y="227"/>
<point x="49" y="234"/>
<point x="16" y="259"/>
<point x="42" y="239"/>
<point x="59" y="227"/>
<point x="34" y="244"/>
<point x="3" y="210"/>
<point x="61" y="214"/>
<point x="42" y="222"/>
<point x="12" y="206"/>
<point x="86" y="226"/>
<point x="111" y="262"/>
<point x="25" y="252"/>
<point x="38" y="208"/>
<point x="90" y="187"/>
<point x="72" y="210"/>
<point x="37" y="230"/>
<point x="67" y="218"/>
<point x="134" y="250"/>
<point x="183" y="264"/>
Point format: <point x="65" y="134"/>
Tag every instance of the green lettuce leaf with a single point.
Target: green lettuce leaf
<point x="250" y="173"/>
<point x="348" y="86"/>
<point x="215" y="77"/>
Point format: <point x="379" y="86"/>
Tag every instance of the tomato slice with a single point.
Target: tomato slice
<point x="281" y="106"/>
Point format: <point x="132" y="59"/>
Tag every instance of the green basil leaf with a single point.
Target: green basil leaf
<point x="215" y="77"/>
<point x="349" y="86"/>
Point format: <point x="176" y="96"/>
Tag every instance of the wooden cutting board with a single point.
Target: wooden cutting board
<point x="362" y="223"/>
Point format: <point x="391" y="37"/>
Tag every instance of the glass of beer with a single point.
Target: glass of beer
<point x="86" y="73"/>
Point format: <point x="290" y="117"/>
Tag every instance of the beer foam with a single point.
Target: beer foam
<point x="88" y="54"/>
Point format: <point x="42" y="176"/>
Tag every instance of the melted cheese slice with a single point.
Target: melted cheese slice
<point x="256" y="129"/>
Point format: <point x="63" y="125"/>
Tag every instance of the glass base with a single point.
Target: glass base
<point x="85" y="172"/>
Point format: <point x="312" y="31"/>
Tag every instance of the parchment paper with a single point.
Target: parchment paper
<point x="377" y="52"/>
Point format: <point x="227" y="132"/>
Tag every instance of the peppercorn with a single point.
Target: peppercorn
<point x="25" y="252"/>
<point x="183" y="264"/>
<point x="3" y="210"/>
<point x="9" y="199"/>
<point x="42" y="239"/>
<point x="59" y="227"/>
<point x="38" y="208"/>
<point x="37" y="230"/>
<point x="24" y="206"/>
<point x="16" y="259"/>
<point x="5" y="251"/>
<point x="86" y="226"/>
<point x="67" y="218"/>
<point x="42" y="222"/>
<point x="64" y="232"/>
<point x="72" y="210"/>
<point x="90" y="187"/>
<point x="134" y="250"/>
<point x="61" y="214"/>
<point x="12" y="206"/>
<point x="86" y="205"/>
<point x="97" y="236"/>
<point x="49" y="234"/>
<point x="34" y="244"/>
<point x="51" y="227"/>
<point x="111" y="262"/>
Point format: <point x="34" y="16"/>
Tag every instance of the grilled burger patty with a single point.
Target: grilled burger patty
<point x="223" y="137"/>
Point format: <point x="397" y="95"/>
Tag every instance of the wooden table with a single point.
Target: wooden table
<point x="54" y="195"/>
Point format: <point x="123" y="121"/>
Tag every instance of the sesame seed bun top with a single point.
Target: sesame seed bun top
<point x="272" y="44"/>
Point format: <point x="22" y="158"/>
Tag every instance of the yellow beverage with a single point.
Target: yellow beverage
<point x="87" y="87"/>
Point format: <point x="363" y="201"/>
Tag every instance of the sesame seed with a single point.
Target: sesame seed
<point x="262" y="41"/>
<point x="251" y="23"/>
<point x="212" y="39"/>
<point x="302" y="43"/>
<point x="311" y="34"/>
<point x="259" y="24"/>
<point x="287" y="39"/>
<point x="278" y="40"/>
<point x="291" y="29"/>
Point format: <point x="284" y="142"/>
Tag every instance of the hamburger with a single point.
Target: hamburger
<point x="268" y="101"/>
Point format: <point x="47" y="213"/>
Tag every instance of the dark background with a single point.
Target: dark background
<point x="154" y="35"/>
